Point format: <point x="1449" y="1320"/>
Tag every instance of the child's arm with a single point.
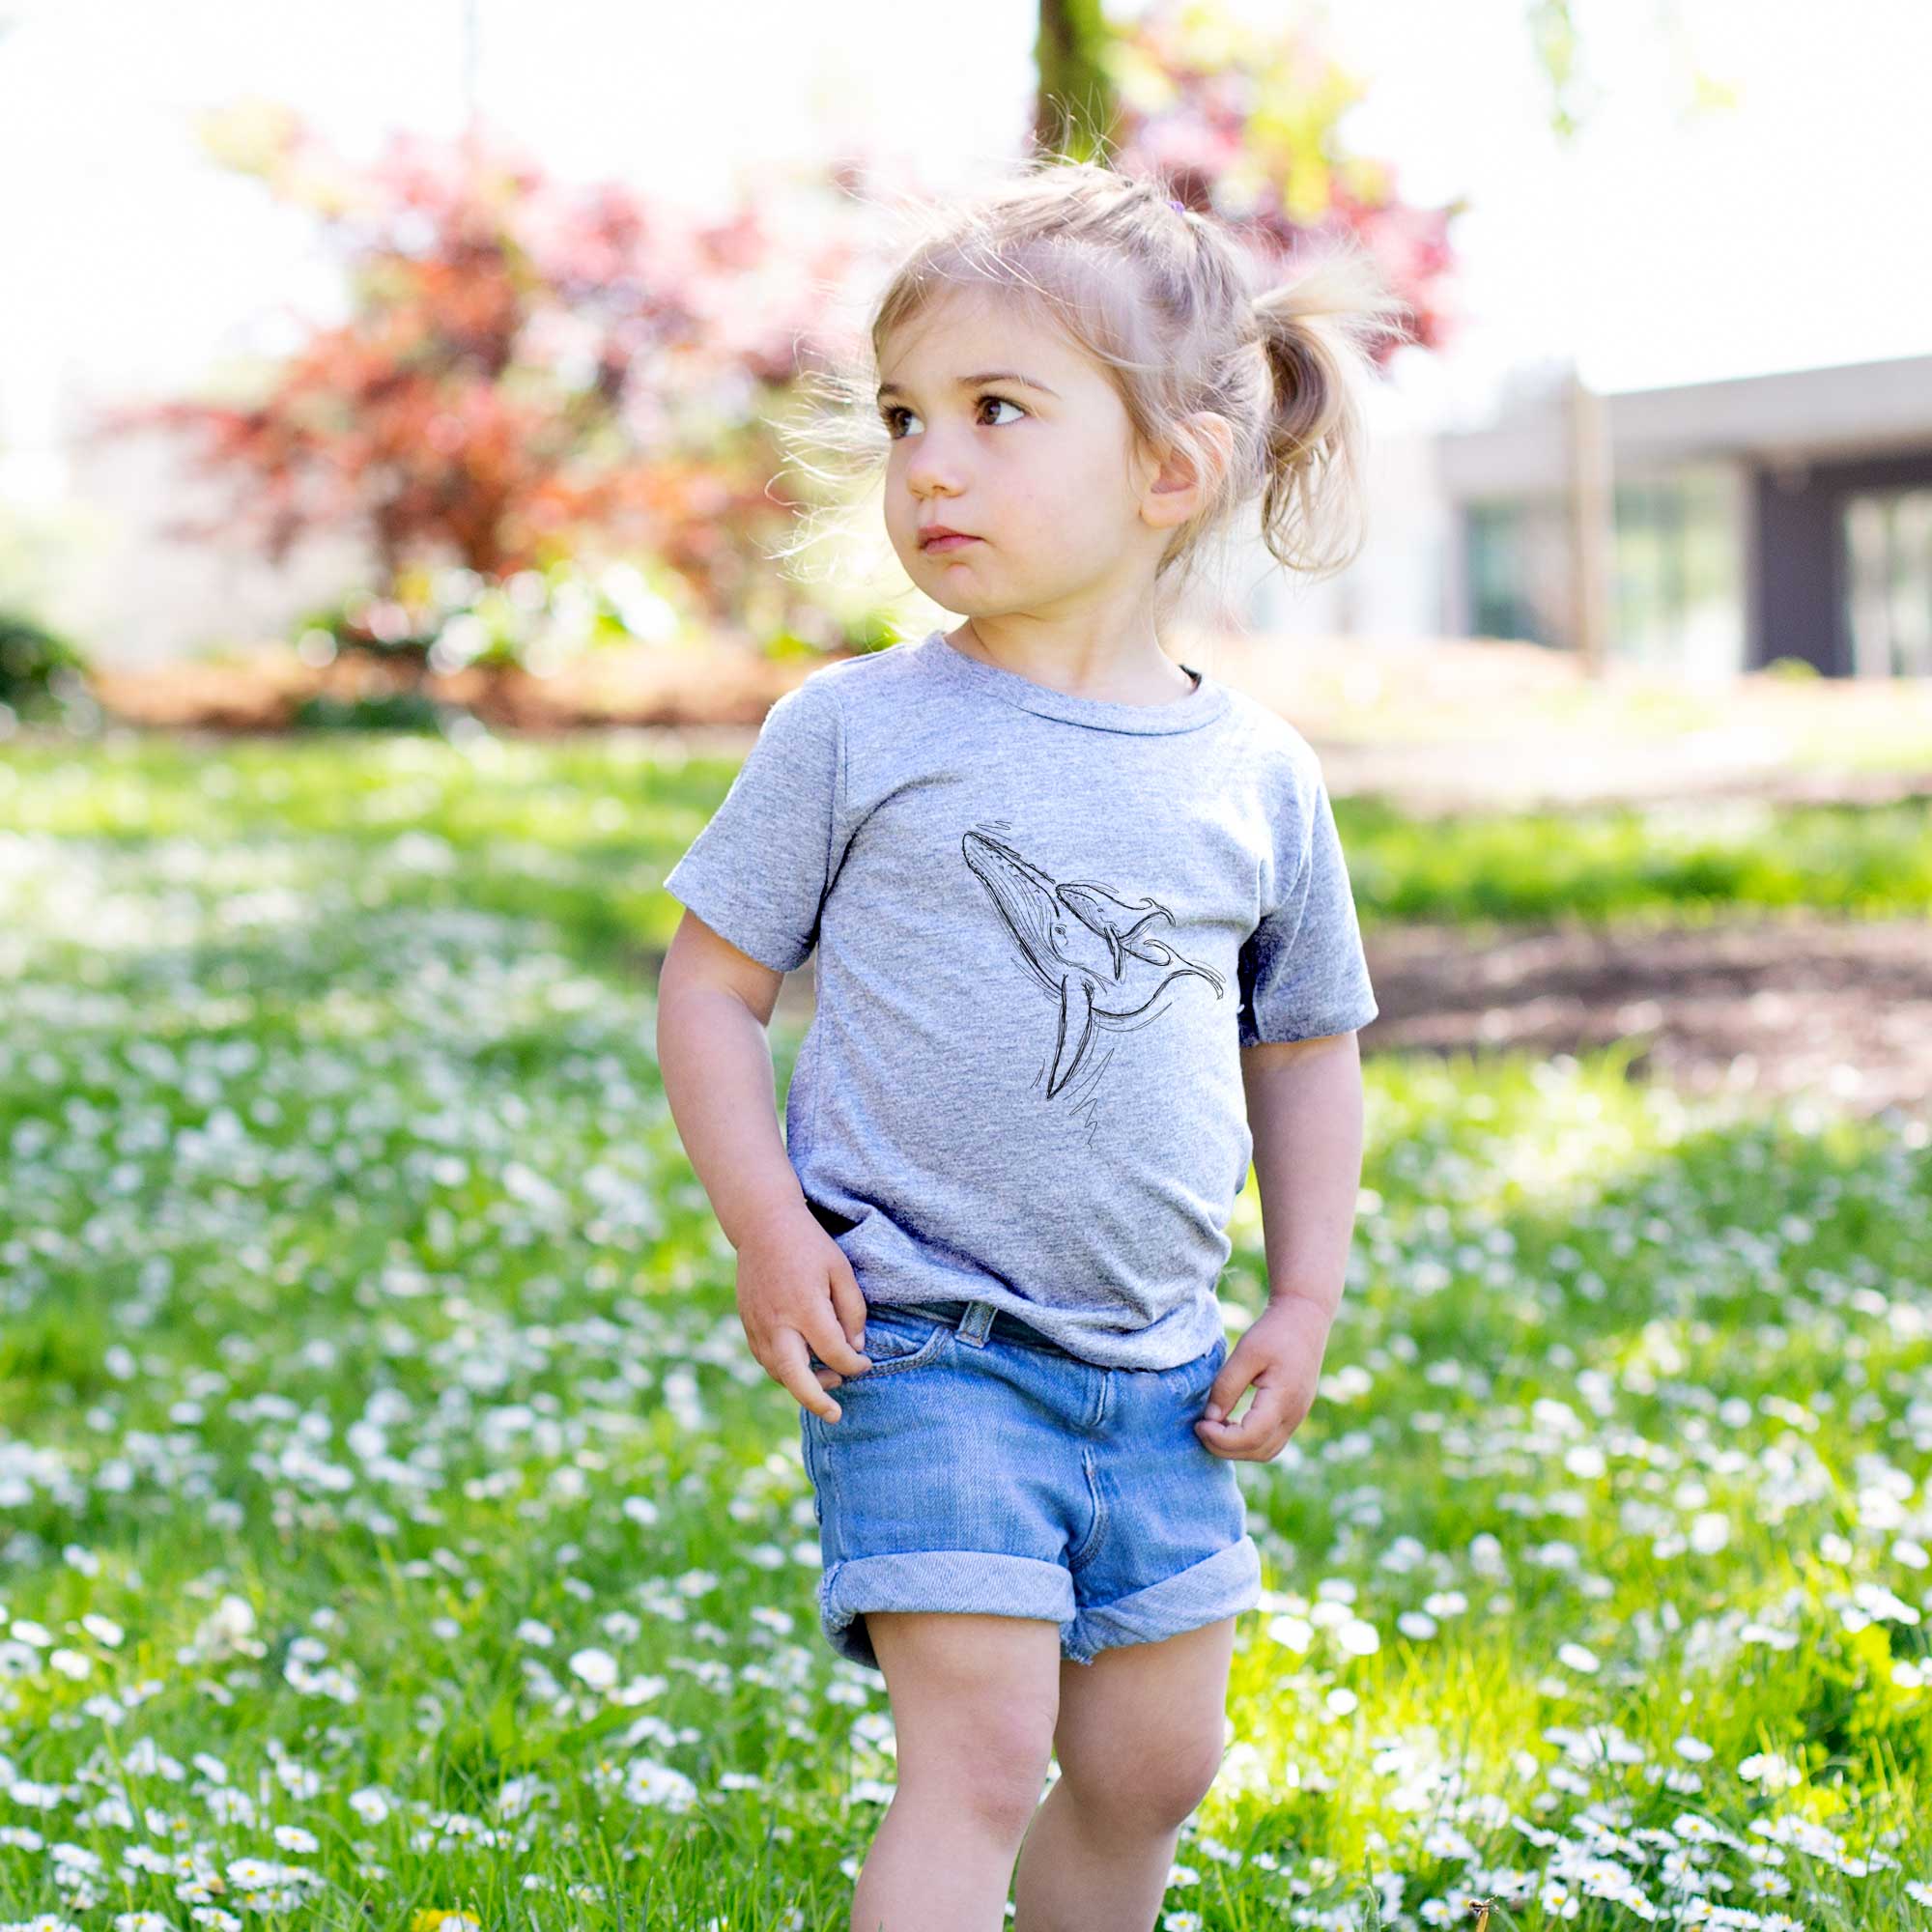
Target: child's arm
<point x="1305" y="995"/>
<point x="795" y="1287"/>
<point x="1306" y="1113"/>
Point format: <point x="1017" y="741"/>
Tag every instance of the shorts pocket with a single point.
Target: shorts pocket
<point x="896" y="1341"/>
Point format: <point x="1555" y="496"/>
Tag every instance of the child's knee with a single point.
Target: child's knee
<point x="975" y="1699"/>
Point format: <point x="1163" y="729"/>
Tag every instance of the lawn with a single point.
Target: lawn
<point x="393" y="1522"/>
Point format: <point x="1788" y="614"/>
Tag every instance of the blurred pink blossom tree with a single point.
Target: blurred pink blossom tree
<point x="526" y="368"/>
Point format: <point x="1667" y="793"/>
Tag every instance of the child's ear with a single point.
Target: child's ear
<point x="1177" y="480"/>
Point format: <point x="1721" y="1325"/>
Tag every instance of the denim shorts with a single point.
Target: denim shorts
<point x="980" y="1467"/>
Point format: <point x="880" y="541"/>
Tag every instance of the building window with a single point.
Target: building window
<point x="1886" y="544"/>
<point x="1678" y="595"/>
<point x="1679" y="591"/>
<point x="1516" y="558"/>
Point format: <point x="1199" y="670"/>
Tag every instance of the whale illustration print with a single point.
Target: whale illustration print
<point x="1087" y="947"/>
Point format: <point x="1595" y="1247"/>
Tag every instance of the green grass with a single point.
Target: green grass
<point x="1681" y="864"/>
<point x="388" y="1500"/>
<point x="580" y="832"/>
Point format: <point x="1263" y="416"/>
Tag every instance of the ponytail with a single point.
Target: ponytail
<point x="1313" y="331"/>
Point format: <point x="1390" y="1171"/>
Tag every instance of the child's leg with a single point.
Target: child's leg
<point x="974" y="1701"/>
<point x="1140" y="1737"/>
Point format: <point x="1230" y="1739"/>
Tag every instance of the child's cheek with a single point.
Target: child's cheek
<point x="1029" y="513"/>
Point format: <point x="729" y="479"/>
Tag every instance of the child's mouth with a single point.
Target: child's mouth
<point x="949" y="542"/>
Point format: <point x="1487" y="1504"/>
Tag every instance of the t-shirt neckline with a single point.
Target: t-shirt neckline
<point x="1206" y="701"/>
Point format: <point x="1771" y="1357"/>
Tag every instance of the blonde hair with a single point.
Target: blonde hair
<point x="1184" y="317"/>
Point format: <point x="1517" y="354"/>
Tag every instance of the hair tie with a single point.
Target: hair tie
<point x="1172" y="203"/>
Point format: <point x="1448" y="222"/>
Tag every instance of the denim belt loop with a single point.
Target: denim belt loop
<point x="975" y="1323"/>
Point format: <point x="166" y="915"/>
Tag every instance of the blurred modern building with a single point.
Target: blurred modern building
<point x="1765" y="517"/>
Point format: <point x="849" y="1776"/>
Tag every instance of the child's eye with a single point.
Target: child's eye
<point x="891" y="416"/>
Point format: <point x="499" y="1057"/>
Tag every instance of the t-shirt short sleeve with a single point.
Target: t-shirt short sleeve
<point x="759" y="873"/>
<point x="1302" y="970"/>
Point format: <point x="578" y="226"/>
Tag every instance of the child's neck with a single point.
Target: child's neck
<point x="1137" y="680"/>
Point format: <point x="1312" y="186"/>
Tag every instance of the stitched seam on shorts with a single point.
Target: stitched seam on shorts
<point x="1079" y="1553"/>
<point x="812" y="1470"/>
<point x="822" y="1471"/>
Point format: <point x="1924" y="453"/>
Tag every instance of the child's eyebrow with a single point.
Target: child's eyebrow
<point x="985" y="376"/>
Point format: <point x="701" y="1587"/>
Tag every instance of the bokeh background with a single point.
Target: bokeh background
<point x="395" y="493"/>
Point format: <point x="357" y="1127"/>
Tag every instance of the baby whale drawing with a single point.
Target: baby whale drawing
<point x="1087" y="947"/>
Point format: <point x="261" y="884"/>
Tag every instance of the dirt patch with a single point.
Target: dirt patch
<point x="721" y="689"/>
<point x="1837" y="1011"/>
<point x="1775" y="1008"/>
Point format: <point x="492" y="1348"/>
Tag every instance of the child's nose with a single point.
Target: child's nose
<point x="934" y="465"/>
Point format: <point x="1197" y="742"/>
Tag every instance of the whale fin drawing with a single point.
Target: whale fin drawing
<point x="1076" y="1024"/>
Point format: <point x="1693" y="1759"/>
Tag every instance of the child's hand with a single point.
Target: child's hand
<point x="797" y="1297"/>
<point x="1281" y="1356"/>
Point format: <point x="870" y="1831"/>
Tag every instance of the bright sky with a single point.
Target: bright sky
<point x="1772" y="236"/>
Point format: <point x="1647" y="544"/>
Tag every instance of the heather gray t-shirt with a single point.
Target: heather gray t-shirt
<point x="1045" y="928"/>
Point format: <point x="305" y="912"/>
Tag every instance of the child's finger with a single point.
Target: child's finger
<point x="1259" y="1426"/>
<point x="1218" y="1439"/>
<point x="795" y="1371"/>
<point x="1217" y="1407"/>
<point x="848" y="1299"/>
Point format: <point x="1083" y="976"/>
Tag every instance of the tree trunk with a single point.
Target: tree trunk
<point x="1075" y="110"/>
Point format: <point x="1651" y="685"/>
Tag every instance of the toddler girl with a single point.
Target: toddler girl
<point x="1085" y="947"/>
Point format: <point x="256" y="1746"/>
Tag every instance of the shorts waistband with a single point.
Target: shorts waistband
<point x="983" y="1319"/>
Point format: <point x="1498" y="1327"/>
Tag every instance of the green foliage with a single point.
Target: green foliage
<point x="43" y="674"/>
<point x="872" y="631"/>
<point x="535" y="620"/>
<point x="378" y="711"/>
